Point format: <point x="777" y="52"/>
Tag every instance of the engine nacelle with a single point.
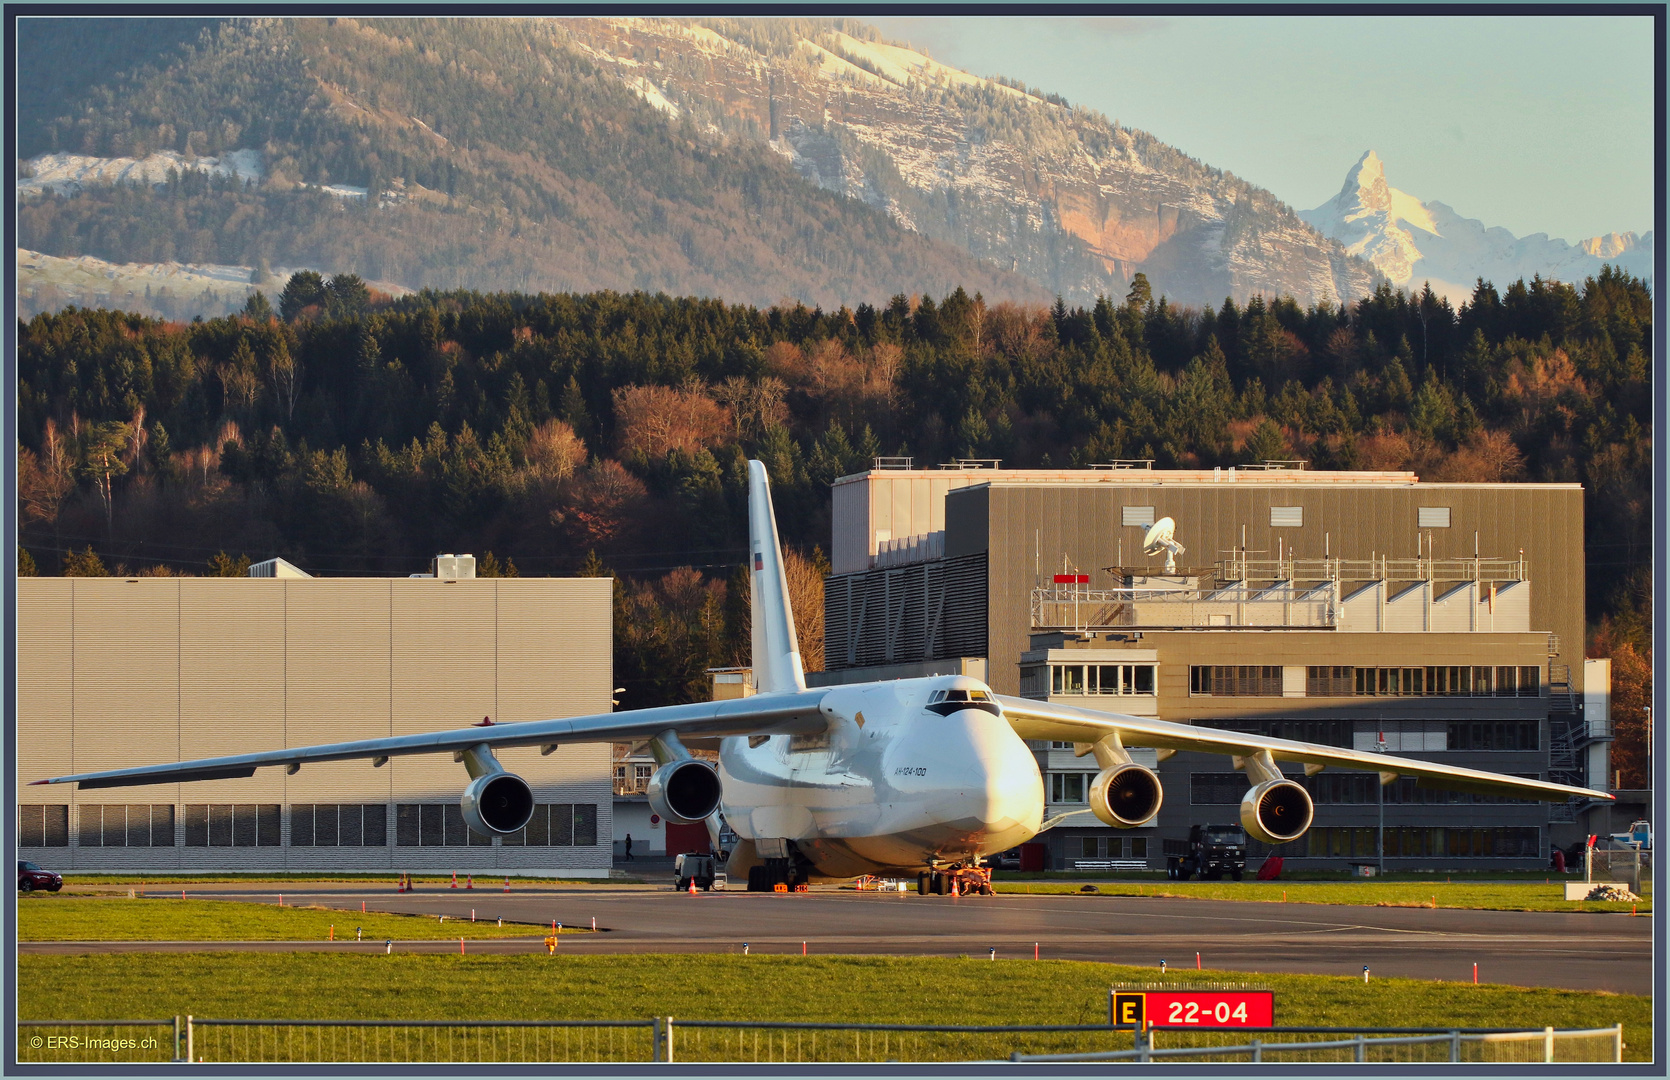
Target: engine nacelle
<point x="1276" y="811"/>
<point x="1125" y="796"/>
<point x="684" y="791"/>
<point x="497" y="803"/>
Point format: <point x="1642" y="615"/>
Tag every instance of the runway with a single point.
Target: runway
<point x="1575" y="951"/>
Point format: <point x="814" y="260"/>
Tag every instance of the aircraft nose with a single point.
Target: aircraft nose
<point x="1009" y="793"/>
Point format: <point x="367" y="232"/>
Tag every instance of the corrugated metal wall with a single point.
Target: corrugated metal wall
<point x="1031" y="525"/>
<point x="115" y="672"/>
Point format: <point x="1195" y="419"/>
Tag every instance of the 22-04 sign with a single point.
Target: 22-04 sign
<point x="1196" y="1008"/>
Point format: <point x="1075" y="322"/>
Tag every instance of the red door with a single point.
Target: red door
<point x="687" y="839"/>
<point x="1033" y="856"/>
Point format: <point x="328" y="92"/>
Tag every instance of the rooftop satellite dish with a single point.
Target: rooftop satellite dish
<point x="1159" y="538"/>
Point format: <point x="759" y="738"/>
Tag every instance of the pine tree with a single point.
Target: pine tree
<point x="25" y="563"/>
<point x="84" y="564"/>
<point x="223" y="565"/>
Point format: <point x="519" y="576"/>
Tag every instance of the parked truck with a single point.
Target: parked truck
<point x="1211" y="851"/>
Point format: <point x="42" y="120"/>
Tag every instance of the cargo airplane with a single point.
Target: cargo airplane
<point x="923" y="775"/>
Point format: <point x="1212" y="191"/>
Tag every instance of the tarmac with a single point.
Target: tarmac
<point x="1577" y="951"/>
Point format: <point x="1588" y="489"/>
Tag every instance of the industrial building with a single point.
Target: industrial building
<point x="115" y="672"/>
<point x="1358" y="609"/>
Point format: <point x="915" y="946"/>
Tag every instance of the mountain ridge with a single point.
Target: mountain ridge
<point x="419" y="133"/>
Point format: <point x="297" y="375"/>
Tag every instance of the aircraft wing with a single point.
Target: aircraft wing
<point x="793" y="712"/>
<point x="1044" y="720"/>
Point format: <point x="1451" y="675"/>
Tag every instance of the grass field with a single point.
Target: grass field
<point x="68" y="918"/>
<point x="1497" y="895"/>
<point x="757" y="988"/>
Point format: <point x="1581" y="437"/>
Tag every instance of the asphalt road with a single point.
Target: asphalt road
<point x="1553" y="949"/>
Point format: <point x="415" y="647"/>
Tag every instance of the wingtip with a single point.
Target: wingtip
<point x="37" y="783"/>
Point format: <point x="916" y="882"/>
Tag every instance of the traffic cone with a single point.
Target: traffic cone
<point x="455" y="879"/>
<point x="954" y="887"/>
<point x="470" y="882"/>
<point x="692" y="886"/>
<point x="507" y="884"/>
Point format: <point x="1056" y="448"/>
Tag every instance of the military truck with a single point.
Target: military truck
<point x="1211" y="851"/>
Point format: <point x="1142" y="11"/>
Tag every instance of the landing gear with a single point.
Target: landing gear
<point x="955" y="880"/>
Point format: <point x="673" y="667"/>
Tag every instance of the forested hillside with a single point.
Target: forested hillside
<point x="569" y="433"/>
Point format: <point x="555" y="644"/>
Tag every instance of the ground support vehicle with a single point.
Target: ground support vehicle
<point x="693" y="869"/>
<point x="1211" y="851"/>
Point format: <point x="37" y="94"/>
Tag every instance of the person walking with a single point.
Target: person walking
<point x="628" y="847"/>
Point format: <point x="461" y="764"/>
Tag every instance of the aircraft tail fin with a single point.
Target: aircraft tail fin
<point x="776" y="649"/>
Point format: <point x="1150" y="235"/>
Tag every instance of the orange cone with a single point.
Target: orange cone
<point x="455" y="879"/>
<point x="692" y="886"/>
<point x="507" y="884"/>
<point x="470" y="882"/>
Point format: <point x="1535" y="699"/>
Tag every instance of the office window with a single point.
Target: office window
<point x="1433" y="517"/>
<point x="1507" y="735"/>
<point x="1287" y="517"/>
<point x="338" y="825"/>
<point x="1139" y="516"/>
<point x="232" y="824"/>
<point x="1324" y="732"/>
<point x="49" y="825"/>
<point x="1330" y="681"/>
<point x="1139" y="847"/>
<point x="1239" y="681"/>
<point x="1216" y="789"/>
<point x="1067" y="787"/>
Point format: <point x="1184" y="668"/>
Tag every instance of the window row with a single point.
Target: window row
<point x="339" y="825"/>
<point x="1347" y="681"/>
<point x="1108" y="847"/>
<point x="1235" y="681"/>
<point x="311" y="825"/>
<point x="126" y="825"/>
<point x="1344" y="789"/>
<point x="1323" y="732"/>
<point x="1098" y="679"/>
<point x="443" y="825"/>
<point x="1455" y="681"/>
<point x="1330" y="842"/>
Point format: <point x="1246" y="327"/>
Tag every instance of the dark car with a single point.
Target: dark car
<point x="31" y="877"/>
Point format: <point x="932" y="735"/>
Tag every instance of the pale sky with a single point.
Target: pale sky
<point x="1532" y="123"/>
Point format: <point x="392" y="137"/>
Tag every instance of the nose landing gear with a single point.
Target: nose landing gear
<point x="955" y="880"/>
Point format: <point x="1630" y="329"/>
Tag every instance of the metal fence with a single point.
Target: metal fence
<point x="663" y="1039"/>
<point x="1325" y="1045"/>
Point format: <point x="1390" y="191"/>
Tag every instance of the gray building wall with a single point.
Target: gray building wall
<point x="119" y="672"/>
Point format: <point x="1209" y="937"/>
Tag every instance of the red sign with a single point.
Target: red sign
<point x="1196" y="1008"/>
<point x="1072" y="579"/>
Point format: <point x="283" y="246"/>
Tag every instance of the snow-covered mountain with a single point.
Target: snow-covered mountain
<point x="1414" y="242"/>
<point x="1019" y="178"/>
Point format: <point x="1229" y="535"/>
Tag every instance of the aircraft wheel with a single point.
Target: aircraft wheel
<point x="922" y="884"/>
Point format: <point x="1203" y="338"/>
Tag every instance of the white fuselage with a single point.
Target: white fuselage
<point x="900" y="780"/>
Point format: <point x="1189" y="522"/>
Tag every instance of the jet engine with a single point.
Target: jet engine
<point x="684" y="791"/>
<point x="1125" y="796"/>
<point x="1276" y="811"/>
<point x="497" y="803"/>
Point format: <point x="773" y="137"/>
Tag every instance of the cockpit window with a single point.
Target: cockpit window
<point x="946" y="702"/>
<point x="978" y="695"/>
<point x="956" y="695"/>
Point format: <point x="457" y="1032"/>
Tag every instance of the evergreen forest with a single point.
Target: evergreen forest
<point x="557" y="434"/>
